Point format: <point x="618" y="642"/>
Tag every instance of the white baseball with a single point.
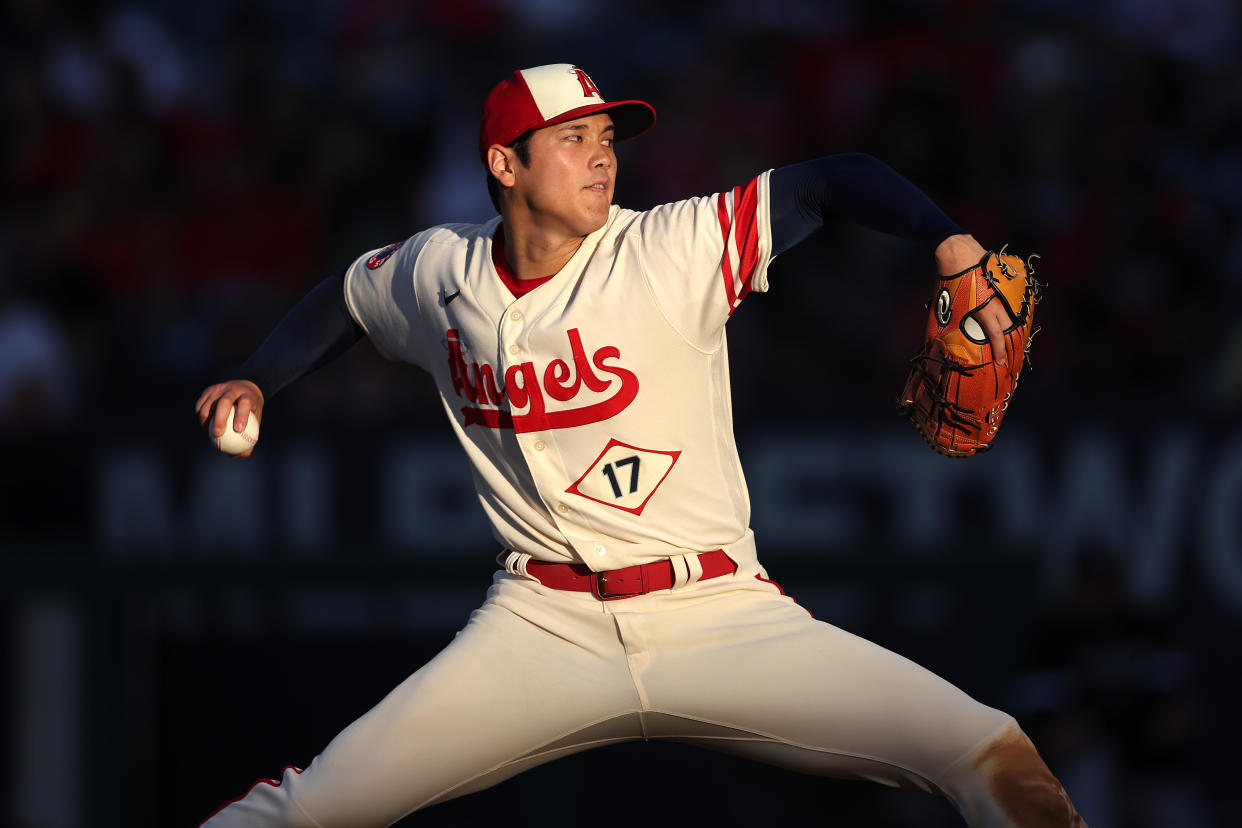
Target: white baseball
<point x="235" y="442"/>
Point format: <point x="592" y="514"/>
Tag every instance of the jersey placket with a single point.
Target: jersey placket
<point x="539" y="447"/>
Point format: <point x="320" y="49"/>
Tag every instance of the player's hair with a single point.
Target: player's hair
<point x="521" y="146"/>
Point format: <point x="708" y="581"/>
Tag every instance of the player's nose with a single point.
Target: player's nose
<point x="601" y="157"/>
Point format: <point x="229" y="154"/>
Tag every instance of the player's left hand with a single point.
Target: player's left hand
<point x="958" y="253"/>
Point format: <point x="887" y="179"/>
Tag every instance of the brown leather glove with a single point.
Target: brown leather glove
<point x="957" y="393"/>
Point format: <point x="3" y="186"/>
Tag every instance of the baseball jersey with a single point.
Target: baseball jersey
<point x="595" y="409"/>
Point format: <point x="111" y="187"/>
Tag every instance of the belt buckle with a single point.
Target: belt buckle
<point x="601" y="592"/>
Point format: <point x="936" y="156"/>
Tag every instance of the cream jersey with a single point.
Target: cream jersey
<point x="595" y="409"/>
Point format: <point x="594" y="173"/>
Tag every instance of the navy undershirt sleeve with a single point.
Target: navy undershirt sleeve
<point x="855" y="187"/>
<point x="316" y="331"/>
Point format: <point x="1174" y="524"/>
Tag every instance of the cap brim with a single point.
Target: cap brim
<point x="630" y="118"/>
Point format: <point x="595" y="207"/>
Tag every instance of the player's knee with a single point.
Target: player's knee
<point x="1022" y="785"/>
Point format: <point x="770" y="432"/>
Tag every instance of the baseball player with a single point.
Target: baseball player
<point x="580" y="355"/>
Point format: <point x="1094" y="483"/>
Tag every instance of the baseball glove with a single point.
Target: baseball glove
<point x="956" y="393"/>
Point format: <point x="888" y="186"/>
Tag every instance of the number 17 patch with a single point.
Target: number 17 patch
<point x="624" y="476"/>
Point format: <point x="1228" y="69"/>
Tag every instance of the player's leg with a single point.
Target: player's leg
<point x="751" y="673"/>
<point x="533" y="676"/>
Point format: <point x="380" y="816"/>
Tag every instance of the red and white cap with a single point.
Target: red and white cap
<point x="552" y="94"/>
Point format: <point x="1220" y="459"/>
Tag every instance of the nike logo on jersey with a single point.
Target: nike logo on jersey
<point x="527" y="388"/>
<point x="449" y="297"/>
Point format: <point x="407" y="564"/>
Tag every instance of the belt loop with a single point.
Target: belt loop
<point x="695" y="566"/>
<point x="516" y="562"/>
<point x="681" y="570"/>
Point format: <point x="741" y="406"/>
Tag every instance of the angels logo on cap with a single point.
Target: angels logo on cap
<point x="546" y="95"/>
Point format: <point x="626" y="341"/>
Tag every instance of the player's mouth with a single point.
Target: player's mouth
<point x="600" y="187"/>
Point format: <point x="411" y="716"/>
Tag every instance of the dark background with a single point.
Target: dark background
<point x="175" y="176"/>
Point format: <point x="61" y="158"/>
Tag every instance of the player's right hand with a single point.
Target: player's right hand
<point x="214" y="403"/>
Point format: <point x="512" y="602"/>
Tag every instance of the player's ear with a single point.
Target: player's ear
<point x="500" y="163"/>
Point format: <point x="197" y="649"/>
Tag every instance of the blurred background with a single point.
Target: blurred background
<point x="177" y="624"/>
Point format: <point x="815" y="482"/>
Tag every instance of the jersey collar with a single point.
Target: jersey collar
<point x="518" y="287"/>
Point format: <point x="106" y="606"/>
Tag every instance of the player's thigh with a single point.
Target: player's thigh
<point x="763" y="678"/>
<point x="509" y="692"/>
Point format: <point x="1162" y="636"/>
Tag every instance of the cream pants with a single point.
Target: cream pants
<point x="729" y="664"/>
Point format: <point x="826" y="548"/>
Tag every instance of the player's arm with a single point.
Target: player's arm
<point x="861" y="189"/>
<point x="316" y="331"/>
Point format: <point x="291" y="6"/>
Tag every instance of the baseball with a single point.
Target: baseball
<point x="236" y="442"/>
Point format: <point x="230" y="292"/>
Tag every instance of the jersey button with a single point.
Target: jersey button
<point x="540" y="445"/>
<point x="513" y="349"/>
<point x="562" y="508"/>
<point x="600" y="550"/>
<point x="516" y="316"/>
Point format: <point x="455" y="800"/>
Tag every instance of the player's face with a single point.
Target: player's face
<point x="569" y="182"/>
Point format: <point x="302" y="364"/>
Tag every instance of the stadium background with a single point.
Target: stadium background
<point x="176" y="624"/>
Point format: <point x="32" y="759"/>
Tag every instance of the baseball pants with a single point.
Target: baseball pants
<point x="728" y="664"/>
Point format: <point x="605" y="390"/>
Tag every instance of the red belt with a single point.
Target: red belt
<point x="622" y="583"/>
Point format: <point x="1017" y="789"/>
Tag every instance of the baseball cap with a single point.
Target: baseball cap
<point x="552" y="94"/>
